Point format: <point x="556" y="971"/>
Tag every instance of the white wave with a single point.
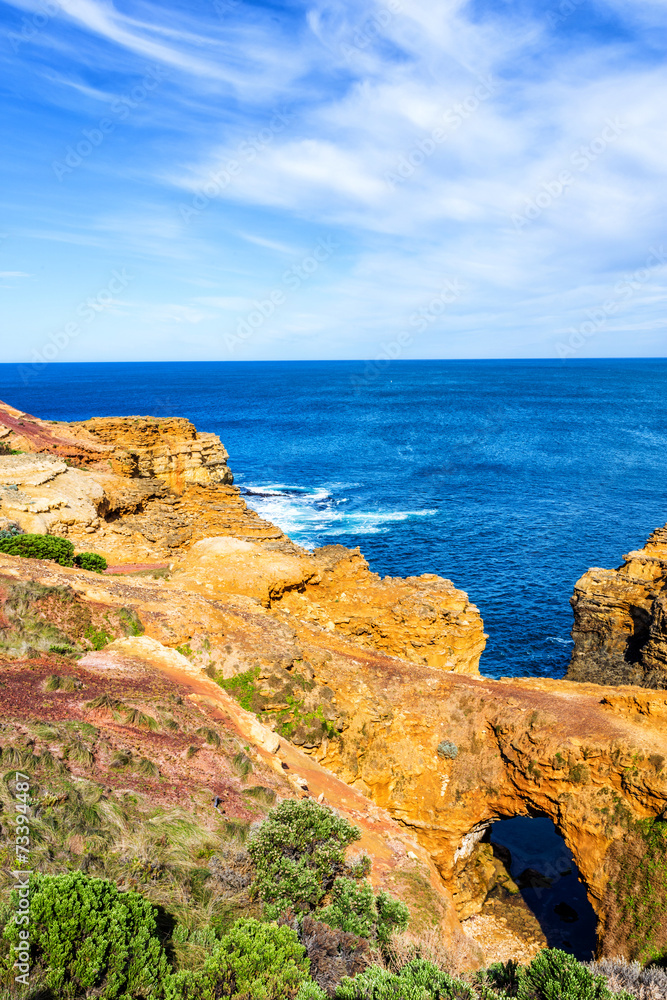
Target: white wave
<point x="309" y="516"/>
<point x="556" y="638"/>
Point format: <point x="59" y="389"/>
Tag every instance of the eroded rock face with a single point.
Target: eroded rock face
<point x="620" y="620"/>
<point x="423" y="619"/>
<point x="216" y="566"/>
<point x="166" y="448"/>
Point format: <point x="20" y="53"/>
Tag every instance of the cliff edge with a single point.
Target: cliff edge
<point x="620" y="620"/>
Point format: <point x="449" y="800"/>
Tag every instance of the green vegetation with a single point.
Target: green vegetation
<point x="86" y="935"/>
<point x="637" y="891"/>
<point x="60" y="550"/>
<point x="39" y="547"/>
<point x="417" y="980"/>
<point x="298" y="853"/>
<point x="448" y="749"/>
<point x="55" y="620"/>
<point x="90" y="561"/>
<point x="299" y="857"/>
<point x="287" y="687"/>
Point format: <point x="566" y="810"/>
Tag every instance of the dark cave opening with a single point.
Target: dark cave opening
<point x="542" y="866"/>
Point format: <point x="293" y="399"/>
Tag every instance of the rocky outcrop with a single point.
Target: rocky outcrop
<point x="169" y="449"/>
<point x="165" y="448"/>
<point x="620" y="620"/>
<point x="423" y="619"/>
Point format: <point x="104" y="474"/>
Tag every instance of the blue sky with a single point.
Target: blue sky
<point x="226" y="179"/>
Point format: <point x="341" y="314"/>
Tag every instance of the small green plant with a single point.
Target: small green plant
<point x="242" y="687"/>
<point x="134" y="717"/>
<point x="60" y="550"/>
<point x="90" y="561"/>
<point x="417" y="980"/>
<point x="447" y="749"/>
<point x="131" y="622"/>
<point x="12" y="529"/>
<point x="242" y="764"/>
<point x="98" y="638"/>
<point x="54" y="682"/>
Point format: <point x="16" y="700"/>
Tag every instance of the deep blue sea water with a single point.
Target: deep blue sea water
<point x="509" y="477"/>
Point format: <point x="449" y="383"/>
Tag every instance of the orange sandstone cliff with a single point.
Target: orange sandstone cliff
<point x="620" y="620"/>
<point x="362" y="690"/>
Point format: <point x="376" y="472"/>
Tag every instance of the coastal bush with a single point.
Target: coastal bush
<point x="298" y="852"/>
<point x="418" y="980"/>
<point x="90" y="561"/>
<point x="299" y="857"/>
<point x="39" y="547"/>
<point x="555" y="975"/>
<point x="259" y="961"/>
<point x="355" y="908"/>
<point x="87" y="935"/>
<point x="448" y="749"/>
<point x="629" y="977"/>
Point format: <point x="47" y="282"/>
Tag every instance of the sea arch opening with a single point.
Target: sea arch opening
<point x="521" y="875"/>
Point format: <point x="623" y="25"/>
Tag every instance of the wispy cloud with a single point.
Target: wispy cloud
<point x="429" y="137"/>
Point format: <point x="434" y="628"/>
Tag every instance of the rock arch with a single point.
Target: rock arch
<point x="589" y="758"/>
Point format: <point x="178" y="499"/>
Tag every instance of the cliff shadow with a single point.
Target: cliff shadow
<point x="542" y="866"/>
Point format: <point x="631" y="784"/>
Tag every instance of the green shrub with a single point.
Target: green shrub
<point x="186" y="985"/>
<point x="555" y="975"/>
<point x="39" y="547"/>
<point x="255" y="961"/>
<point x="448" y="749"/>
<point x="354" y="908"/>
<point x="298" y="852"/>
<point x="90" y="561"/>
<point x="310" y="991"/>
<point x="418" y="980"/>
<point x="12" y="529"/>
<point x="86" y="935"/>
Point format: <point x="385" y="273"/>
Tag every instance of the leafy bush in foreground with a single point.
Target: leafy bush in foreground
<point x="299" y="856"/>
<point x="298" y="852"/>
<point x="555" y="975"/>
<point x="418" y="980"/>
<point x="90" y="561"/>
<point x="354" y="908"/>
<point x="254" y="961"/>
<point x="86" y="935"/>
<point x="39" y="547"/>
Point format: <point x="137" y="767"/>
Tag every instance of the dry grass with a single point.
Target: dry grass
<point x="428" y="944"/>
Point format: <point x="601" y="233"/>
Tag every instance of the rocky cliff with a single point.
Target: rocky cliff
<point x="368" y="686"/>
<point x="444" y="755"/>
<point x="165" y="448"/>
<point x="155" y="493"/>
<point x="620" y="620"/>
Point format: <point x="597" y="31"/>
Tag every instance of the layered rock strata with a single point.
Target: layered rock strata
<point x="620" y="620"/>
<point x="169" y="449"/>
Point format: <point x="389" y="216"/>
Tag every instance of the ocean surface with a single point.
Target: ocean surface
<point x="510" y="478"/>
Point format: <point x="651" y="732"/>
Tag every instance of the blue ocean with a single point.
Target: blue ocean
<point x="510" y="478"/>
